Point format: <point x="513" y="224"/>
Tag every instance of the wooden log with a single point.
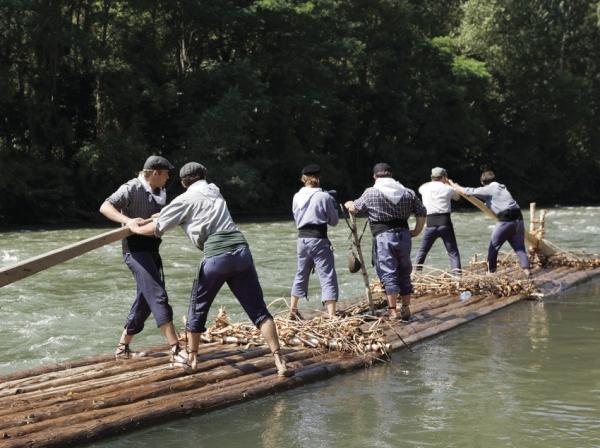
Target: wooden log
<point x="95" y="375"/>
<point x="451" y="323"/>
<point x="134" y="374"/>
<point x="44" y="416"/>
<point x="91" y="417"/>
<point x="184" y="403"/>
<point x="71" y="364"/>
<point x="34" y="265"/>
<point x="446" y="314"/>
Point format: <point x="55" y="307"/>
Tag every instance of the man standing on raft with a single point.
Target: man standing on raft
<point x="136" y="200"/>
<point x="203" y="214"/>
<point x="389" y="205"/>
<point x="510" y="225"/>
<point x="437" y="197"/>
<point x="313" y="210"/>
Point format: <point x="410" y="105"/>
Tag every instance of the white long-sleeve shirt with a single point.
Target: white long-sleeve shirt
<point x="437" y="197"/>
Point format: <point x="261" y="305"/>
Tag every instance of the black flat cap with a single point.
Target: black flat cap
<point x="382" y="168"/>
<point x="193" y="169"/>
<point x="311" y="170"/>
<point x="157" y="163"/>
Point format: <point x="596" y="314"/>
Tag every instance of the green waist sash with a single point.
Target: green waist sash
<point x="222" y="242"/>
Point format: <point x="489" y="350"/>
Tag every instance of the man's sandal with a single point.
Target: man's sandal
<point x="182" y="359"/>
<point x="175" y="350"/>
<point x="124" y="352"/>
<point x="405" y="314"/>
<point x="282" y="368"/>
<point x="295" y="314"/>
<point x="392" y="312"/>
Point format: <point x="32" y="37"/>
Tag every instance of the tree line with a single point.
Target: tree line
<point x="255" y="89"/>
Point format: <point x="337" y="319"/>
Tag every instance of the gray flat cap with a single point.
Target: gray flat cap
<point x="192" y="169"/>
<point x="157" y="163"/>
<point x="438" y="172"/>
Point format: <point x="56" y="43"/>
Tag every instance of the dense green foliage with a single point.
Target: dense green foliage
<point x="255" y="89"/>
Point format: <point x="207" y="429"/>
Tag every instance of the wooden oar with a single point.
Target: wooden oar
<point x="33" y="265"/>
<point x="540" y="244"/>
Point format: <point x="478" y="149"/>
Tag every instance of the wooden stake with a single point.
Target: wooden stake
<point x="532" y="217"/>
<point x="542" y="229"/>
<point x="363" y="269"/>
<point x="532" y="223"/>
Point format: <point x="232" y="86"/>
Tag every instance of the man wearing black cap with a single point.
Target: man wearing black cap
<point x="389" y="205"/>
<point x="203" y="214"/>
<point x="313" y="210"/>
<point x="135" y="201"/>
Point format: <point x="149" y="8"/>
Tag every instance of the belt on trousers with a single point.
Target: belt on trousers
<point x="313" y="231"/>
<point x="378" y="227"/>
<point x="438" y="219"/>
<point x="512" y="214"/>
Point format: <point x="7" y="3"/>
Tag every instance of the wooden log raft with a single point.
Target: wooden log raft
<point x="74" y="402"/>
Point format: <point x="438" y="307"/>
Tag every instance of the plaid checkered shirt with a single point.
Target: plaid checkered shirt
<point x="381" y="209"/>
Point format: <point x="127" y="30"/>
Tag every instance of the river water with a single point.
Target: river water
<point x="526" y="376"/>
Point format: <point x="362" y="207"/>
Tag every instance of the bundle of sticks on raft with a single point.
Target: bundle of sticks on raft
<point x="570" y="259"/>
<point x="349" y="334"/>
<point x="357" y="330"/>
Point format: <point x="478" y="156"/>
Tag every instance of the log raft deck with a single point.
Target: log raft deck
<point x="77" y="401"/>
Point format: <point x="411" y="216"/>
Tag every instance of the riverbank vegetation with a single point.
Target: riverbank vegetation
<point x="255" y="89"/>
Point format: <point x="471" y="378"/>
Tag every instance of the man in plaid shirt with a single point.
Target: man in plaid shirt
<point x="389" y="205"/>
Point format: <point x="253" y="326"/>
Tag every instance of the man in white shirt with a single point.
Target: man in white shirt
<point x="437" y="197"/>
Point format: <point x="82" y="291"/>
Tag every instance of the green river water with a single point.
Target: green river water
<point x="526" y="376"/>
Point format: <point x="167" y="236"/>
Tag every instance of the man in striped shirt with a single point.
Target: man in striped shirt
<point x="388" y="205"/>
<point x="135" y="201"/>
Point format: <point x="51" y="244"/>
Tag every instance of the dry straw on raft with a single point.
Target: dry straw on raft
<point x="353" y="334"/>
<point x="356" y="330"/>
<point x="569" y="259"/>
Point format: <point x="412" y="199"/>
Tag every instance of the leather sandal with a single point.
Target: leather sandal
<point x="124" y="352"/>
<point x="405" y="313"/>
<point x="282" y="368"/>
<point x="393" y="312"/>
<point x="175" y="350"/>
<point x="295" y="314"/>
<point x="182" y="359"/>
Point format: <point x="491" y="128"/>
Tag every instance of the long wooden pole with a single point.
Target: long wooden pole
<point x="363" y="269"/>
<point x="542" y="245"/>
<point x="34" y="265"/>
